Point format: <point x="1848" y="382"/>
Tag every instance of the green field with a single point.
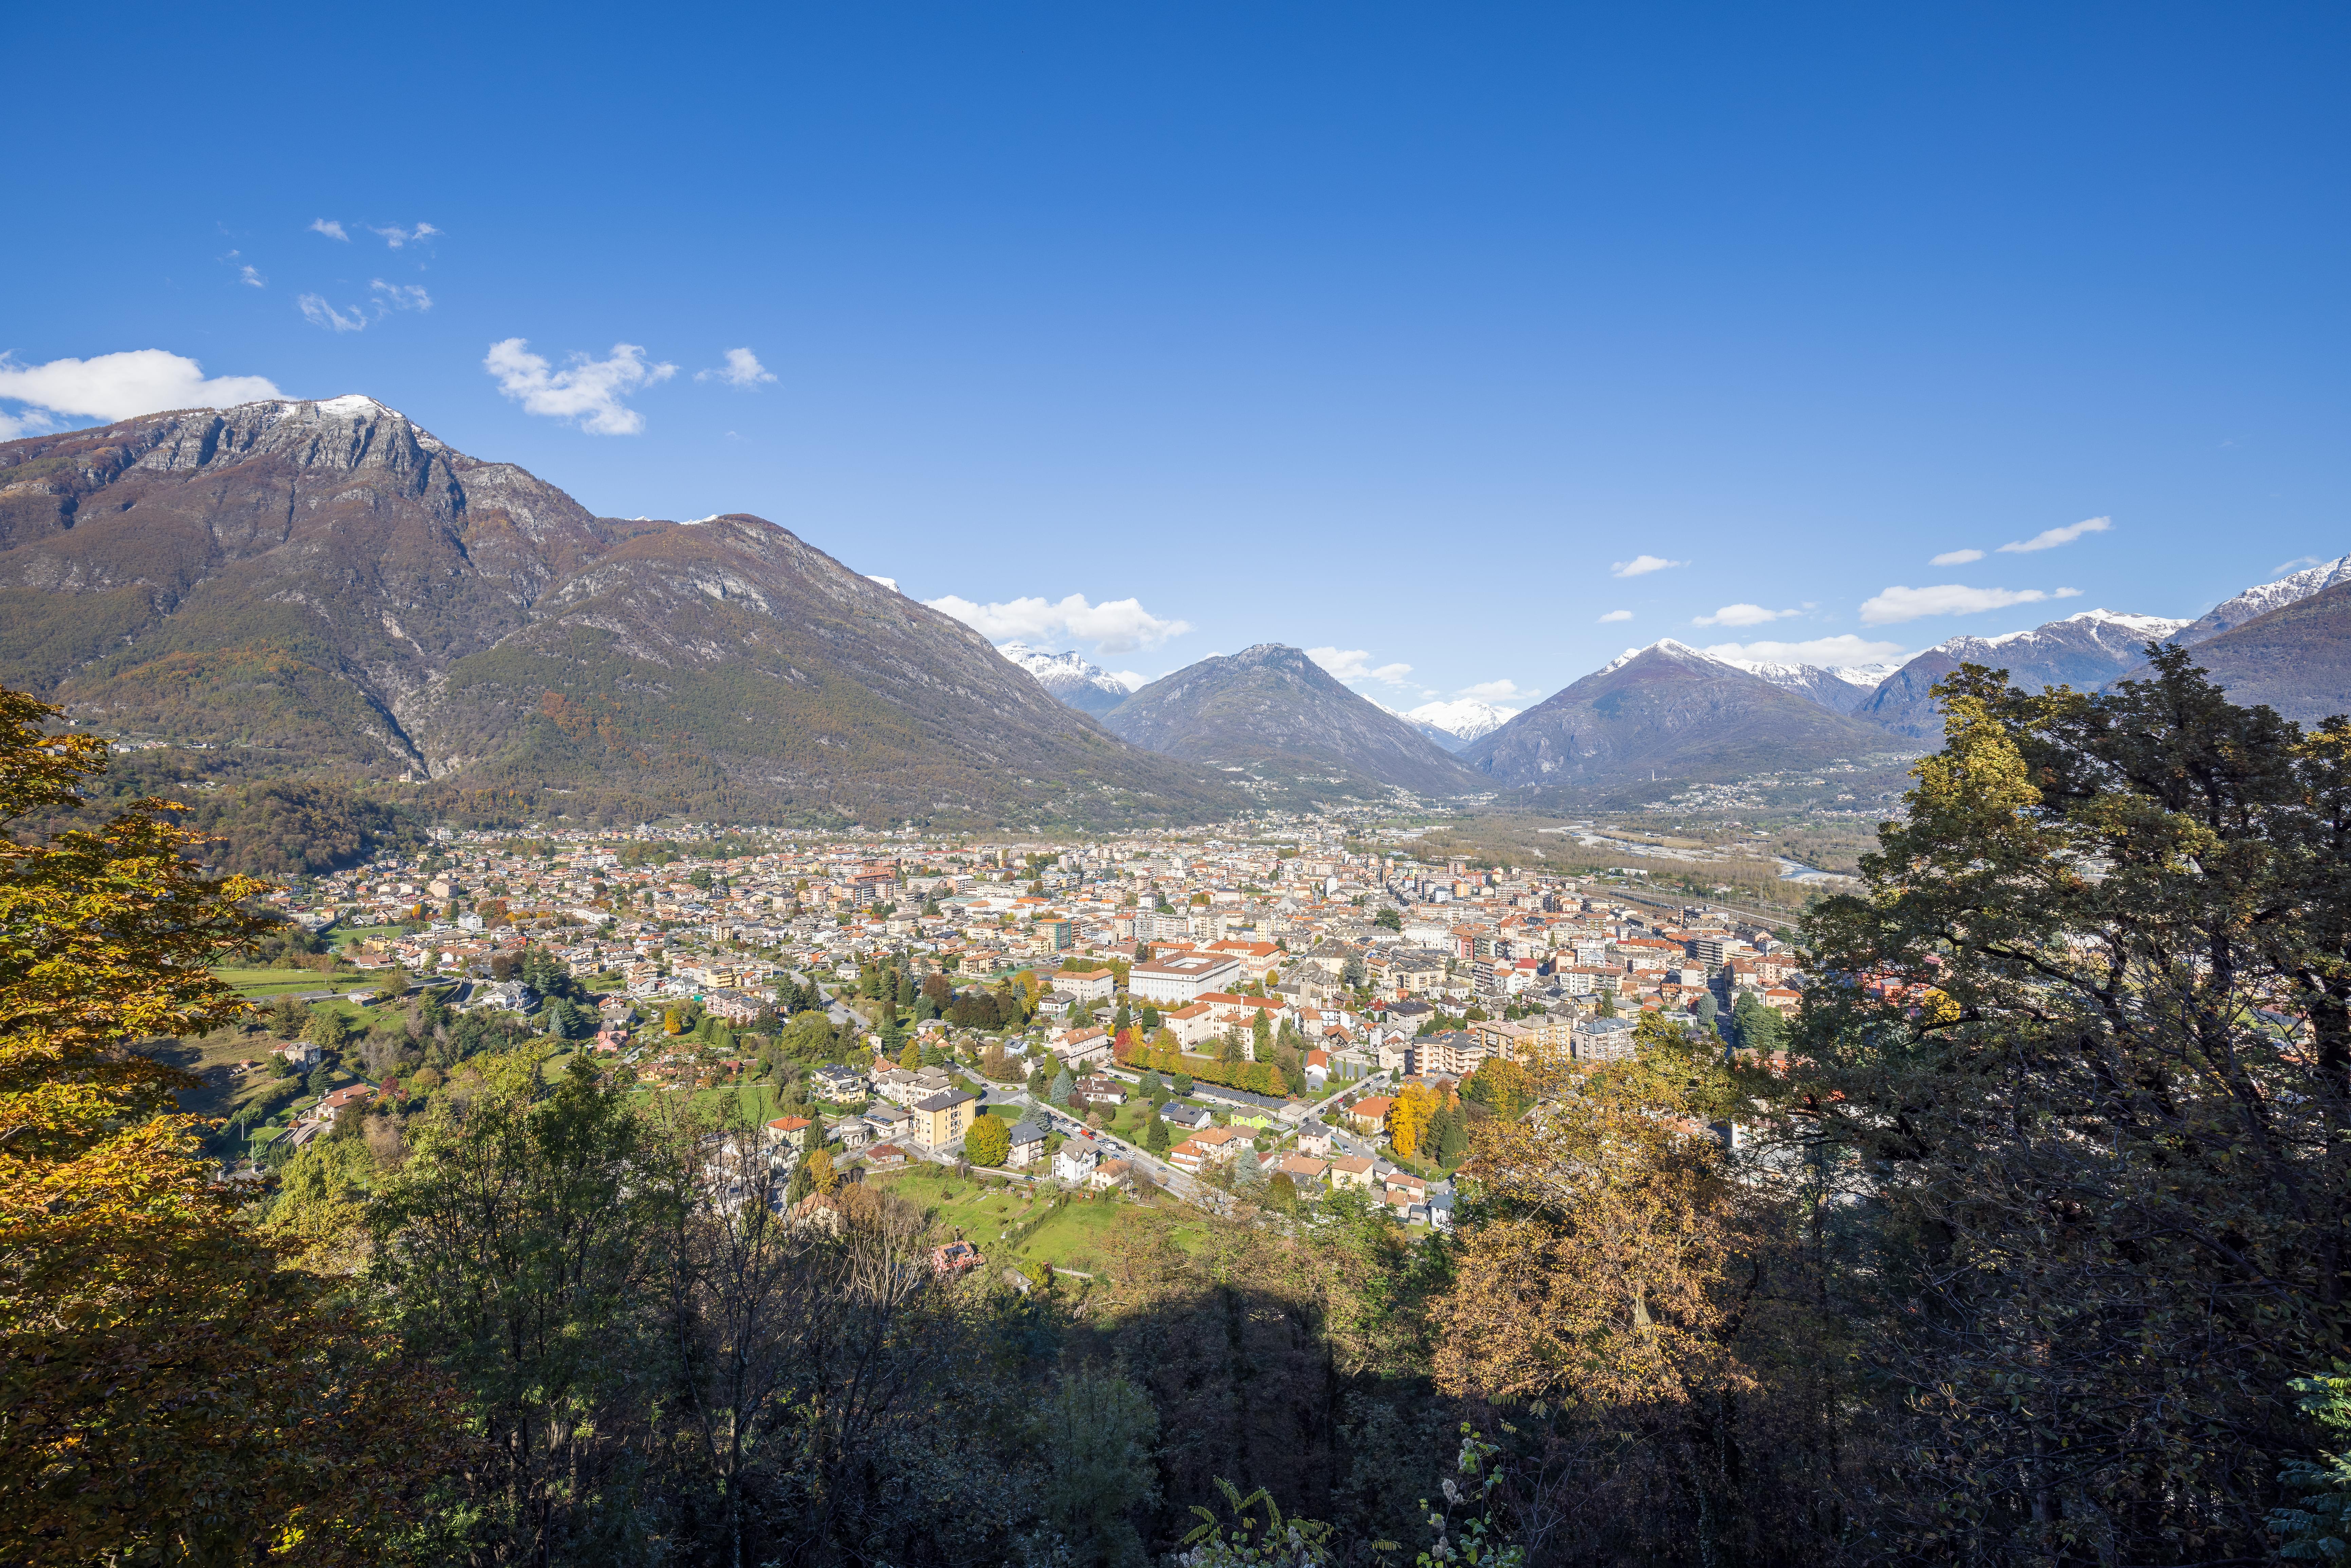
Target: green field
<point x="1074" y="1238"/>
<point x="265" y="984"/>
<point x="759" y="1102"/>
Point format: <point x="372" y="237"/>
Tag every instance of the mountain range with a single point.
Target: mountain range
<point x="1667" y="713"/>
<point x="1271" y="710"/>
<point x="2083" y="650"/>
<point x="1455" y="724"/>
<point x="327" y="586"/>
<point x="1087" y="687"/>
<point x="324" y="589"/>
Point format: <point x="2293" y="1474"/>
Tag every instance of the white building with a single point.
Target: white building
<point x="1182" y="977"/>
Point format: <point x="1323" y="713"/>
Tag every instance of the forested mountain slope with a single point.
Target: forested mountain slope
<point x="329" y="584"/>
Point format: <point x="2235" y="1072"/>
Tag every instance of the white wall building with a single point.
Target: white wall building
<point x="1182" y="977"/>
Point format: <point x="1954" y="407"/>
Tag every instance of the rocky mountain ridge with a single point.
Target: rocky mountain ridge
<point x="1274" y="711"/>
<point x="329" y="585"/>
<point x="2084" y="650"/>
<point x="1671" y="715"/>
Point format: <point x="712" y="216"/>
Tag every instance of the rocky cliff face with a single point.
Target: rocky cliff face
<point x="328" y="583"/>
<point x="1273" y="710"/>
<point x="1670" y="712"/>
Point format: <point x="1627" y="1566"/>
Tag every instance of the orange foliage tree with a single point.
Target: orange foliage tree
<point x="168" y="1391"/>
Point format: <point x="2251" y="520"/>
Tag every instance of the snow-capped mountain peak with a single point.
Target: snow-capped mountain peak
<point x="1842" y="690"/>
<point x="1465" y="718"/>
<point x="2258" y="600"/>
<point x="1069" y="677"/>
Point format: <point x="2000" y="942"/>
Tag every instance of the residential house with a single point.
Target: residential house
<point x="340" y="1100"/>
<point x="1370" y="1115"/>
<point x="1027" y="1144"/>
<point x="1082" y="1048"/>
<point x="1211" y="1145"/>
<point x="901" y="1087"/>
<point x="1113" y="1174"/>
<point x="1075" y="1160"/>
<point x="1302" y="1169"/>
<point x="890" y="1124"/>
<point x="1314" y="1138"/>
<point x="1350" y="1171"/>
<point x="1101" y="1088"/>
<point x="795" y="1132"/>
<point x="885" y="1156"/>
<point x="1187" y="1118"/>
<point x="838" y="1084"/>
<point x="734" y="1007"/>
<point x="1401" y="1181"/>
<point x="943" y="1117"/>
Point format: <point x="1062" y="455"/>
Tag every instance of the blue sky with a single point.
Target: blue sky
<point x="1385" y="329"/>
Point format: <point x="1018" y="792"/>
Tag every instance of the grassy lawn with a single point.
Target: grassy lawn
<point x="267" y="983"/>
<point x="1075" y="1238"/>
<point x="760" y="1102"/>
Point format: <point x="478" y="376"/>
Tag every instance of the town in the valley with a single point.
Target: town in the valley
<point x="1282" y="1012"/>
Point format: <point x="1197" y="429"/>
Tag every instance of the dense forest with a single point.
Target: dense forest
<point x="253" y="820"/>
<point x="2023" y="1245"/>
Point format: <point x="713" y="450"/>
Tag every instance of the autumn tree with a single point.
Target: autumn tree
<point x="1408" y="1117"/>
<point x="1604" y="1290"/>
<point x="988" y="1142"/>
<point x="170" y="1390"/>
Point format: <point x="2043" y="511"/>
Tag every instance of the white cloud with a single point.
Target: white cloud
<point x="1897" y="603"/>
<point x="588" y="390"/>
<point x="1839" y="653"/>
<point x="2049" y="539"/>
<point x="889" y="582"/>
<point x="1955" y="557"/>
<point x="1355" y="664"/>
<point x="1114" y="626"/>
<point x="396" y="237"/>
<point x="1743" y="615"/>
<point x="319" y="313"/>
<point x="2298" y="562"/>
<point x="1642" y="565"/>
<point x="742" y="368"/>
<point x="251" y="279"/>
<point x="330" y="228"/>
<point x="2067" y="594"/>
<point x="1500" y="691"/>
<point x="116" y="386"/>
<point x="1615" y="615"/>
<point x="402" y="295"/>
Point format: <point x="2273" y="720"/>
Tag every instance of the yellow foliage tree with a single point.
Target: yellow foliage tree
<point x="1616" y="1271"/>
<point x="1409" y="1116"/>
<point x="171" y="1391"/>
